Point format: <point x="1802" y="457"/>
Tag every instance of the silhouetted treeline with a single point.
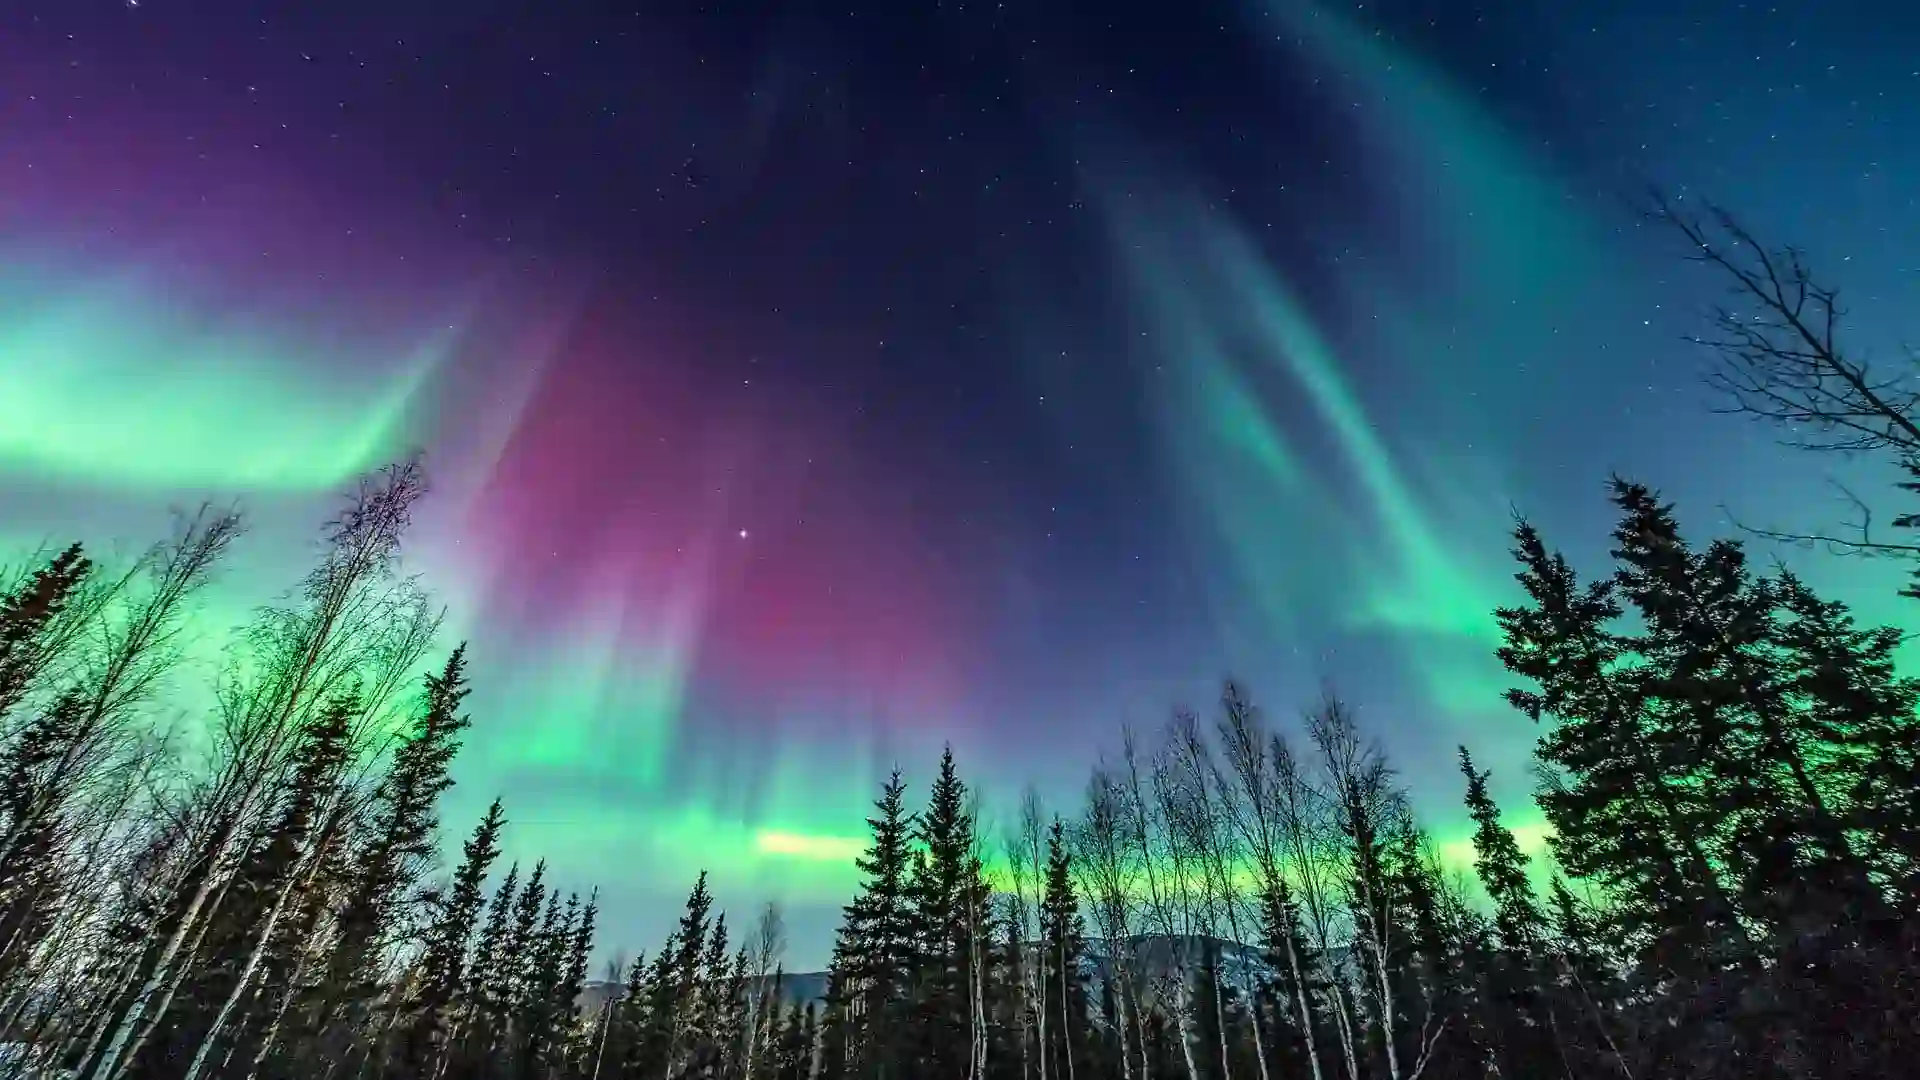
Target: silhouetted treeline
<point x="1729" y="764"/>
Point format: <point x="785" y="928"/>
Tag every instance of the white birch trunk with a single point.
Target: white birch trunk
<point x="1302" y="1007"/>
<point x="1184" y="1024"/>
<point x="106" y="1066"/>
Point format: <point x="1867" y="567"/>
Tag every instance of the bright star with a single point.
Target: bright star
<point x="743" y="534"/>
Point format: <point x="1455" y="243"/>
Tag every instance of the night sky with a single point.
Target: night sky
<point x="809" y="385"/>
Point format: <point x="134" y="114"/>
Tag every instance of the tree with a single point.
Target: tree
<point x="1165" y="899"/>
<point x="945" y="884"/>
<point x="1777" y="357"/>
<point x="540" y="1010"/>
<point x="443" y="973"/>
<point x="1254" y="801"/>
<point x="1370" y="811"/>
<point x="1843" y="687"/>
<point x="268" y="889"/>
<point x="874" y="956"/>
<point x="1062" y="944"/>
<point x="401" y="845"/>
<point x="27" y="619"/>
<point x="665" y="1040"/>
<point x="1627" y="804"/>
<point x="304" y="655"/>
<point x="767" y="948"/>
<point x="1109" y="884"/>
<point x="1299" y="986"/>
<point x="1502" y="867"/>
<point x="1516" y="1008"/>
<point x="487" y="991"/>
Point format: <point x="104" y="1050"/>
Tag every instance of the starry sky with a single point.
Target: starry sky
<point x="807" y="386"/>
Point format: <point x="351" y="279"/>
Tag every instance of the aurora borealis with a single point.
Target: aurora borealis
<point x="806" y="388"/>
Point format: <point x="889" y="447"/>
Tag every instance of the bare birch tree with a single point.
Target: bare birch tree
<point x="1308" y="837"/>
<point x="310" y="651"/>
<point x="1026" y="861"/>
<point x="1109" y="882"/>
<point x="1369" y="807"/>
<point x="1254" y="802"/>
<point x="765" y="949"/>
<point x="1216" y="853"/>
<point x="1164" y="903"/>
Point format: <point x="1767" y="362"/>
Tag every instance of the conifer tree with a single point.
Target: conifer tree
<point x="1502" y="867"/>
<point x="443" y="960"/>
<point x="487" y="990"/>
<point x="579" y="954"/>
<point x="667" y="1037"/>
<point x="1009" y="1026"/>
<point x="404" y="824"/>
<point x="711" y="1000"/>
<point x="1842" y="681"/>
<point x="1589" y="983"/>
<point x="874" y="958"/>
<point x="1706" y="657"/>
<point x="269" y="888"/>
<point x="544" y="968"/>
<point x="626" y="1021"/>
<point x="1514" y="1009"/>
<point x="1298" y="982"/>
<point x="30" y="876"/>
<point x="26" y="616"/>
<point x="1706" y="775"/>
<point x="1062" y="945"/>
<point x="945" y="885"/>
<point x="1628" y="805"/>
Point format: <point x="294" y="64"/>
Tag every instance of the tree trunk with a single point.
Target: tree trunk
<point x="159" y="1013"/>
<point x="1220" y="1024"/>
<point x="1343" y="1021"/>
<point x="123" y="1030"/>
<point x="1183" y="1023"/>
<point x="261" y="943"/>
<point x="1066" y="1020"/>
<point x="1305" y="1011"/>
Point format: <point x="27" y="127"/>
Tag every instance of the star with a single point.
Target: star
<point x="743" y="534"/>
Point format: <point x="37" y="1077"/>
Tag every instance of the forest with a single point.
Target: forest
<point x="1728" y="762"/>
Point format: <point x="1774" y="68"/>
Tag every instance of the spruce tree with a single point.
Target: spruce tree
<point x="26" y="616"/>
<point x="30" y="873"/>
<point x="1514" y="1008"/>
<point x="1062" y="946"/>
<point x="543" y="970"/>
<point x="443" y="960"/>
<point x="269" y="888"/>
<point x="711" y="1004"/>
<point x="874" y="961"/>
<point x="1628" y="805"/>
<point x="1588" y="982"/>
<point x="33" y="785"/>
<point x="672" y="983"/>
<point x="485" y="993"/>
<point x="1709" y="771"/>
<point x="579" y="954"/>
<point x="945" y="886"/>
<point x="1844" y="686"/>
<point x="1707" y="659"/>
<point x="404" y="823"/>
<point x="626" y="1021"/>
<point x="1283" y="935"/>
<point x="1502" y="867"/>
